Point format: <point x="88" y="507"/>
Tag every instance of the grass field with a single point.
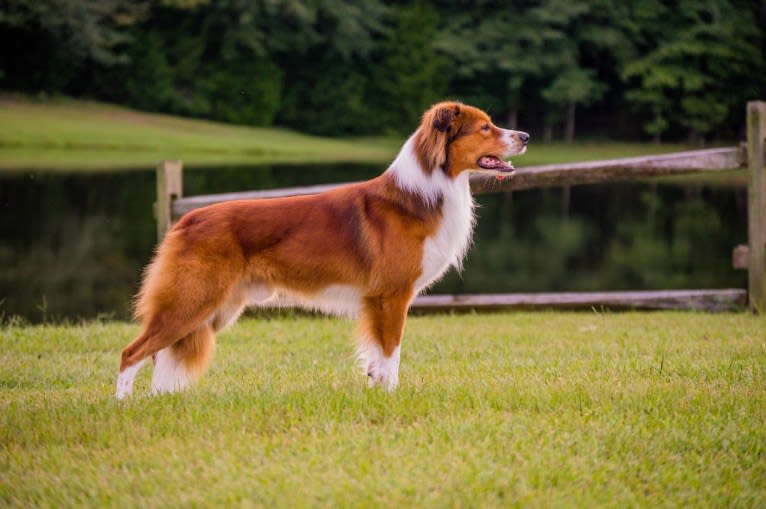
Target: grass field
<point x="79" y="135"/>
<point x="498" y="410"/>
<point x="88" y="135"/>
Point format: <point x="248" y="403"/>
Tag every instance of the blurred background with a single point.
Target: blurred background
<point x="632" y="69"/>
<point x="589" y="79"/>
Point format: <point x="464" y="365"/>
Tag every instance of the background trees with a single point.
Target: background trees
<point x="694" y="64"/>
<point x="667" y="69"/>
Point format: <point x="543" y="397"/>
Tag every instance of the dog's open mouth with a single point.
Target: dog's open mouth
<point x="494" y="163"/>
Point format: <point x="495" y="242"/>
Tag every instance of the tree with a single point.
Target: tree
<point x="366" y="66"/>
<point x="690" y="56"/>
<point x="326" y="76"/>
<point x="67" y="36"/>
<point x="581" y="36"/>
<point x="542" y="48"/>
<point x="570" y="87"/>
<point x="408" y="74"/>
<point x="496" y="51"/>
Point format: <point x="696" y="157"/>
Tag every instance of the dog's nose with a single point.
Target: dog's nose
<point x="523" y="137"/>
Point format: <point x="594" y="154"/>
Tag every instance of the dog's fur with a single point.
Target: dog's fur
<point x="363" y="250"/>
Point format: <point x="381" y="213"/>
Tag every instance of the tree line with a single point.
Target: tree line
<point x="635" y="69"/>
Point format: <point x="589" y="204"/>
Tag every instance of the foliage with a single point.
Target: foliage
<point x="682" y="68"/>
<point x="326" y="96"/>
<point x="71" y="37"/>
<point x="692" y="55"/>
<point x="243" y="91"/>
<point x="408" y="73"/>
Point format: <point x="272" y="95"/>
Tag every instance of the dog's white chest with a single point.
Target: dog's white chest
<point x="448" y="245"/>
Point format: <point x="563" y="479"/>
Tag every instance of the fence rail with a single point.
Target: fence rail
<point x="171" y="204"/>
<point x="728" y="299"/>
<point x="549" y="175"/>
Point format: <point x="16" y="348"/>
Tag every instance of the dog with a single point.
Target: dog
<point x="363" y="250"/>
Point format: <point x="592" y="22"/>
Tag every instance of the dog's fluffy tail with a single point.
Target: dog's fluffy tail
<point x="178" y="366"/>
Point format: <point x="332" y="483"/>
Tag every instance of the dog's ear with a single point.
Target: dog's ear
<point x="443" y="117"/>
<point x="439" y="126"/>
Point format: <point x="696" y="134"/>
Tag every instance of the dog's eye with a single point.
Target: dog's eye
<point x="485" y="127"/>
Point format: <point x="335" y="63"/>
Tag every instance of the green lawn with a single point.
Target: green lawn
<point x="494" y="410"/>
<point x="79" y="135"/>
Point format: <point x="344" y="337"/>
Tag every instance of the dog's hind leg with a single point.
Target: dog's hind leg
<point x="180" y="295"/>
<point x="153" y="338"/>
<point x="181" y="341"/>
<point x="180" y="336"/>
<point x="179" y="365"/>
<point x="126" y="377"/>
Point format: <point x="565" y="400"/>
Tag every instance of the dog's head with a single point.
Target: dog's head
<point x="454" y="137"/>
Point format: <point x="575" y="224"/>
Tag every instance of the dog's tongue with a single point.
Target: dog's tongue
<point x="494" y="163"/>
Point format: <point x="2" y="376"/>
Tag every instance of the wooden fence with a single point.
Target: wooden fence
<point x="171" y="204"/>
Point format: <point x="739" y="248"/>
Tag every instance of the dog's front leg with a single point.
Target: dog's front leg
<point x="382" y="326"/>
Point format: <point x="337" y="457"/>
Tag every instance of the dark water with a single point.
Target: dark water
<point x="73" y="245"/>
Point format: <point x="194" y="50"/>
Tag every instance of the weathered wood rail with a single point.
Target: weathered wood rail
<point x="549" y="175"/>
<point x="730" y="299"/>
<point x="171" y="204"/>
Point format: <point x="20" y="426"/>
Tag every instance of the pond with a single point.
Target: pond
<point x="73" y="245"/>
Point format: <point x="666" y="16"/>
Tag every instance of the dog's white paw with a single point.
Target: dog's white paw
<point x="380" y="370"/>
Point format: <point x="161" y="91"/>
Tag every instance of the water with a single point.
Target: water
<point x="74" y="245"/>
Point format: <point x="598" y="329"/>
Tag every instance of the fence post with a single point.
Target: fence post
<point x="169" y="188"/>
<point x="756" y="205"/>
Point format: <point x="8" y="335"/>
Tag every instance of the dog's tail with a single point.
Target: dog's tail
<point x="178" y="366"/>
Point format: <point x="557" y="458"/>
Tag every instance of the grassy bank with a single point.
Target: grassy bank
<point x="87" y="135"/>
<point x="525" y="409"/>
<point x="78" y="135"/>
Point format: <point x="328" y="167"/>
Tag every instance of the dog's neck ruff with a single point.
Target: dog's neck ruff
<point x="448" y="246"/>
<point x="411" y="177"/>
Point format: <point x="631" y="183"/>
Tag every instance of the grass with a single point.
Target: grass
<point x="498" y="410"/>
<point x="88" y="135"/>
<point x="81" y="135"/>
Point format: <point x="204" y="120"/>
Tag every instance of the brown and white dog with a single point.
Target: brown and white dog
<point x="362" y="250"/>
